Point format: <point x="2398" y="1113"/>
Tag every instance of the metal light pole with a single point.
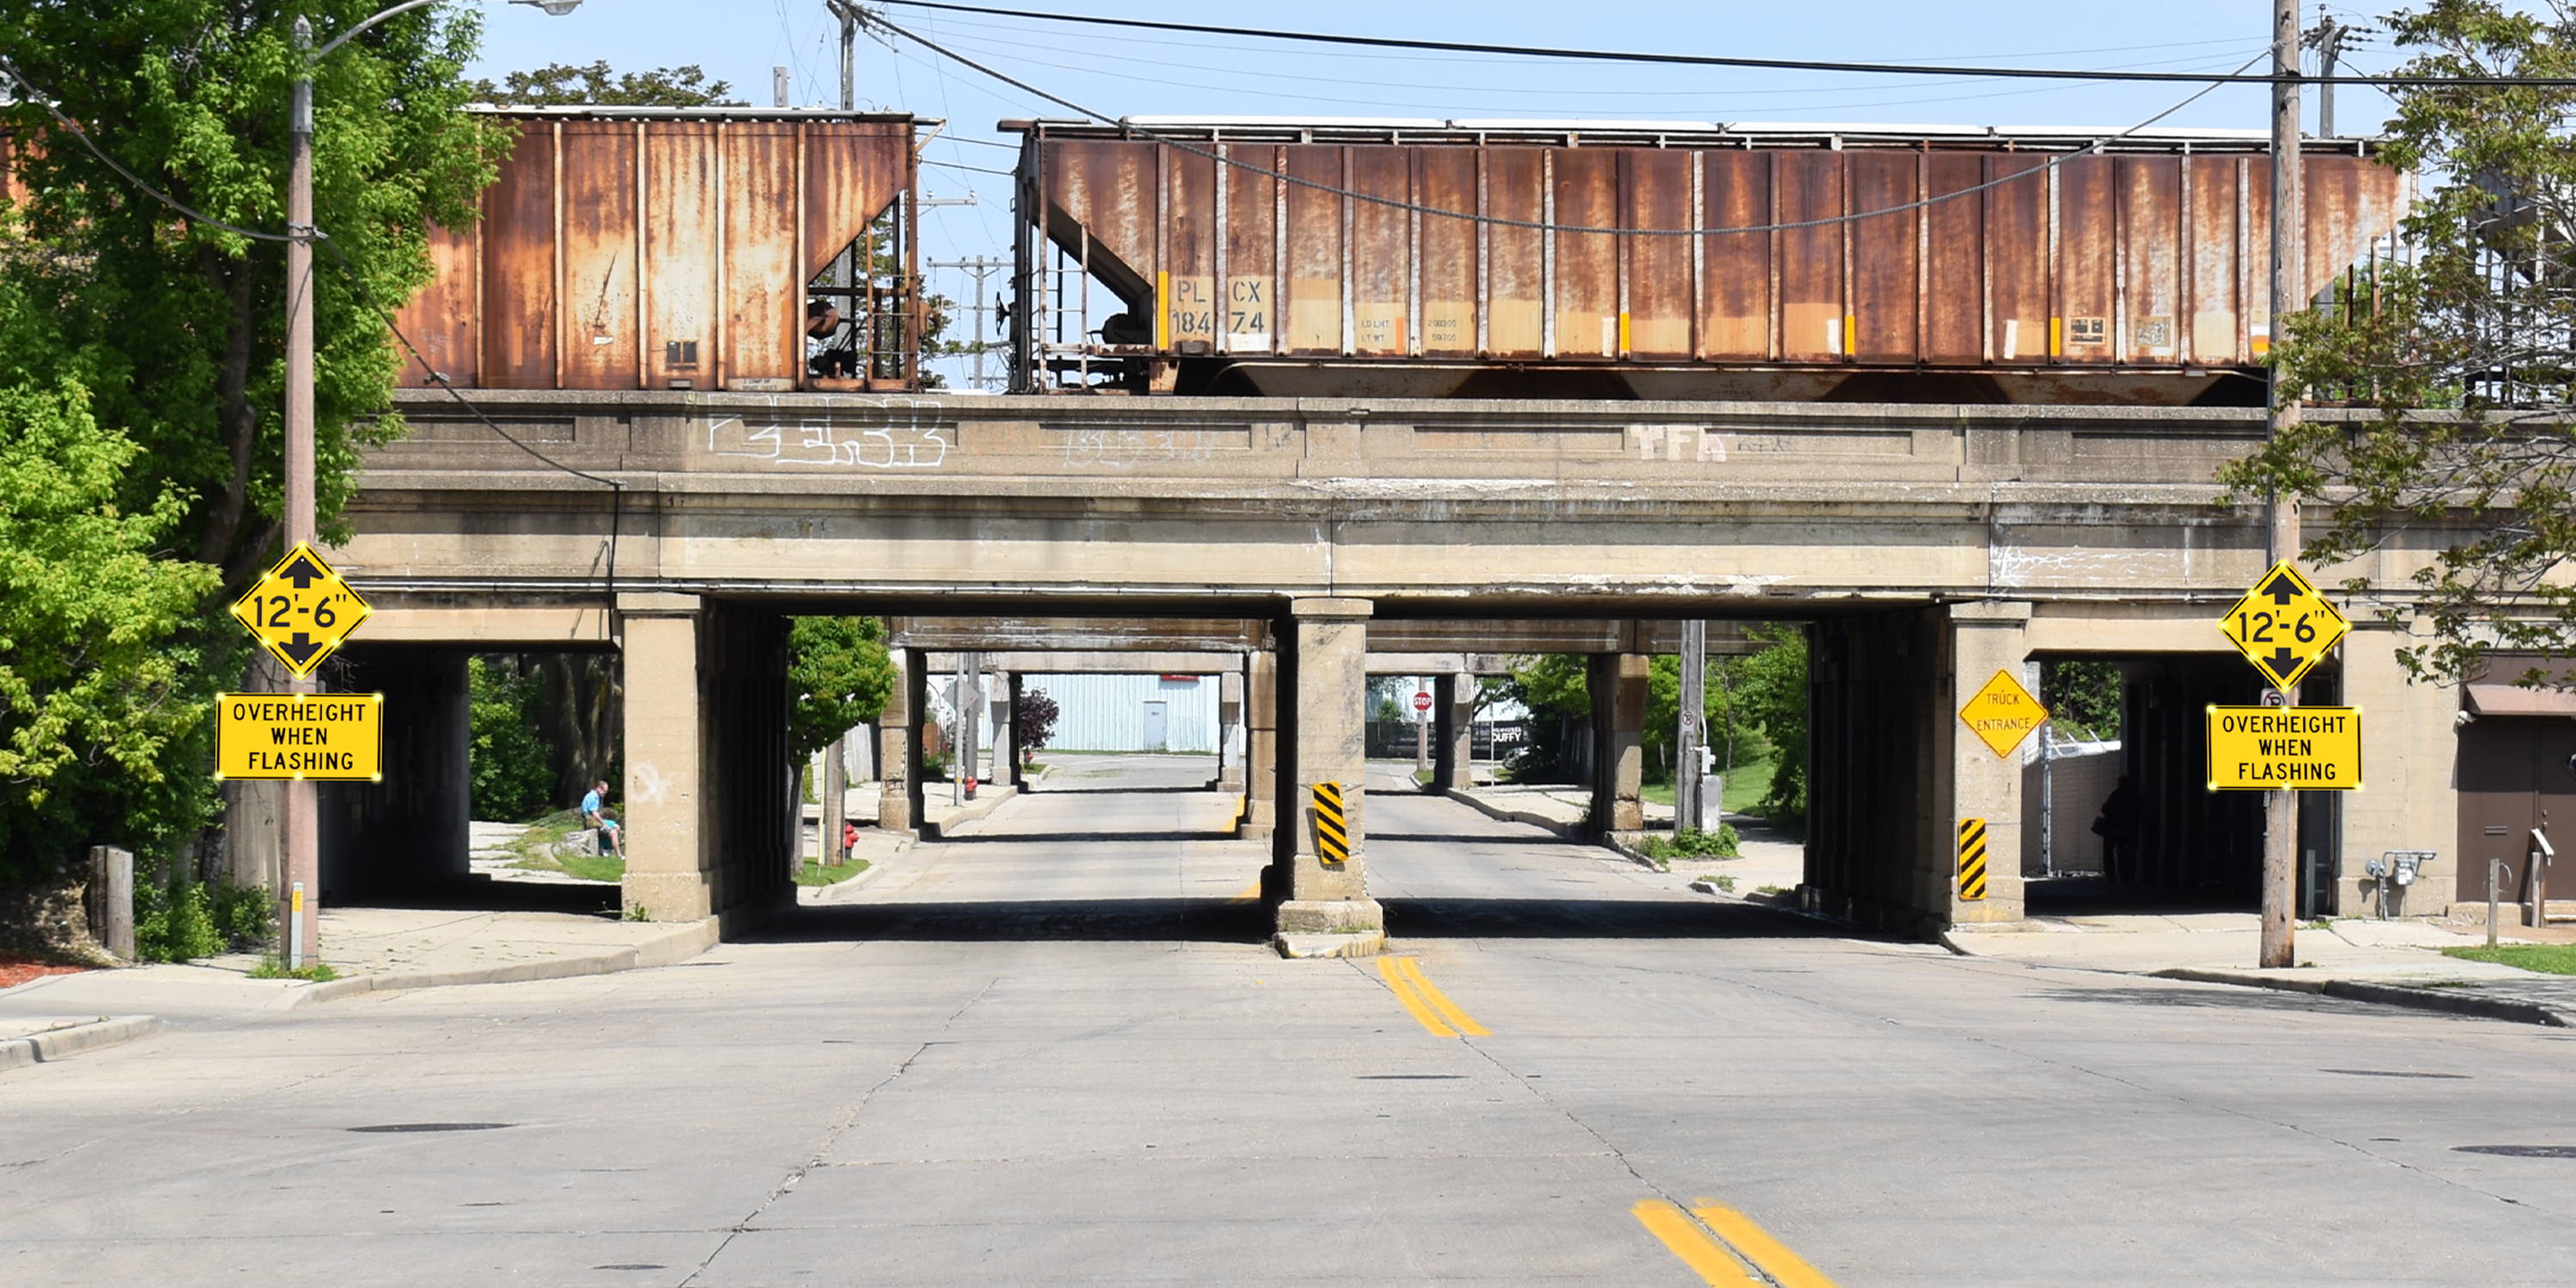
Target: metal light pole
<point x="299" y="902"/>
<point x="2281" y="809"/>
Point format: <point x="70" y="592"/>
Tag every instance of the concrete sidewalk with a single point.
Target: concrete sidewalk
<point x="2398" y="962"/>
<point x="371" y="949"/>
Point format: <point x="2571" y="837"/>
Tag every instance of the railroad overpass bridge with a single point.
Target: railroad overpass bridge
<point x="1927" y="546"/>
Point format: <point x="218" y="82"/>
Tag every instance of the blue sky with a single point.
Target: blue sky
<point x="1173" y="73"/>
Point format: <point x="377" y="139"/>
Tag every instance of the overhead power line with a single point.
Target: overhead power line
<point x="1182" y="145"/>
<point x="1718" y="60"/>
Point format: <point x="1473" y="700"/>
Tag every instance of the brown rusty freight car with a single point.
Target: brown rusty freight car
<point x="1460" y="259"/>
<point x="677" y="248"/>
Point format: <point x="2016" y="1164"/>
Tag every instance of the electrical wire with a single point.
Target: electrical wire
<point x="987" y="44"/>
<point x="1397" y="203"/>
<point x="1309" y="96"/>
<point x="1715" y="60"/>
<point x="959" y="165"/>
<point x="45" y="101"/>
<point x="1416" y="57"/>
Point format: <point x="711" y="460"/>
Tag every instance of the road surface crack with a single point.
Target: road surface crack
<point x="842" y="1120"/>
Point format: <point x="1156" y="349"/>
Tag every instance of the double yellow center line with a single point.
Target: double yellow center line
<point x="1404" y="977"/>
<point x="1719" y="1243"/>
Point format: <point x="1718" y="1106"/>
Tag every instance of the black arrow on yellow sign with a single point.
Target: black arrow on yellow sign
<point x="300" y="649"/>
<point x="302" y="573"/>
<point x="2282" y="590"/>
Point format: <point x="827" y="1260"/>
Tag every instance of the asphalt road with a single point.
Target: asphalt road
<point x="1055" y="1050"/>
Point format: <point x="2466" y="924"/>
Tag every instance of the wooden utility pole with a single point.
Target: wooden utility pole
<point x="1688" y="784"/>
<point x="2281" y="809"/>
<point x="299" y="894"/>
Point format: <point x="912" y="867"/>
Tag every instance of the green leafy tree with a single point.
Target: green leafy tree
<point x="1722" y="720"/>
<point x="568" y="85"/>
<point x="2477" y="331"/>
<point x="2082" y="698"/>
<point x="175" y="328"/>
<point x="94" y="695"/>
<point x="1774" y="698"/>
<point x="511" y="779"/>
<point x="842" y="676"/>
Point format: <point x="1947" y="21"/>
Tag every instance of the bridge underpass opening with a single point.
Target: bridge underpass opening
<point x="2125" y="822"/>
<point x="716" y="823"/>
<point x="487" y="755"/>
<point x="1086" y="778"/>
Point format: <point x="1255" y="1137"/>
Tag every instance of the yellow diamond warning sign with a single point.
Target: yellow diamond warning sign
<point x="300" y="735"/>
<point x="2283" y="626"/>
<point x="301" y="610"/>
<point x="2271" y="749"/>
<point x="2003" y="713"/>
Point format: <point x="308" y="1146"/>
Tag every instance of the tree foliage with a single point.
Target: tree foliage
<point x="842" y="676"/>
<point x="2467" y="356"/>
<point x="568" y="84"/>
<point x="511" y="779"/>
<point x="2082" y="697"/>
<point x="1761" y="695"/>
<point x="1033" y="718"/>
<point x="167" y="334"/>
<point x="92" y="684"/>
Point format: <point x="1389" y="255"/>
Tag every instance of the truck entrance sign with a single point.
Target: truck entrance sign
<point x="2283" y="626"/>
<point x="300" y="611"/>
<point x="300" y="735"/>
<point x="2003" y="713"/>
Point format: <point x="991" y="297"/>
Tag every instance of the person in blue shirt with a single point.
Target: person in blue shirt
<point x="594" y="812"/>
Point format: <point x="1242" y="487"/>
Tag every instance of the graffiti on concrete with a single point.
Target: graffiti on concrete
<point x="887" y="434"/>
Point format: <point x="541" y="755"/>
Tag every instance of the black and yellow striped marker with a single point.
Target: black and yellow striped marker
<point x="1972" y="858"/>
<point x="1332" y="828"/>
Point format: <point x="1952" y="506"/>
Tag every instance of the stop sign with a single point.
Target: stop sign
<point x="1422" y="702"/>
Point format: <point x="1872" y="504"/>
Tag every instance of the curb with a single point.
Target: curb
<point x="1632" y="854"/>
<point x="678" y="946"/>
<point x="824" y="895"/>
<point x="987" y="799"/>
<point x="1569" y="831"/>
<point x="64" y="1043"/>
<point x="2443" y="1001"/>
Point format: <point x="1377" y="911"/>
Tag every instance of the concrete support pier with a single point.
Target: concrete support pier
<point x="668" y="877"/>
<point x="1453" y="735"/>
<point x="1261" y="771"/>
<point x="1984" y="638"/>
<point x="1618" y="687"/>
<point x="1326" y="910"/>
<point x="1001" y="696"/>
<point x="1229" y="732"/>
<point x="898" y="760"/>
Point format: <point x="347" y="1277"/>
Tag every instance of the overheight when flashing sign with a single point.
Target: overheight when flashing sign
<point x="2283" y="626"/>
<point x="301" y="611"/>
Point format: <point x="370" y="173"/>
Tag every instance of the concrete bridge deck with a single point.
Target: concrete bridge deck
<point x="1929" y="546"/>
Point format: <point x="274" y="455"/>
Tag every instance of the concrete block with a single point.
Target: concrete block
<point x="1331" y="916"/>
<point x="1302" y="945"/>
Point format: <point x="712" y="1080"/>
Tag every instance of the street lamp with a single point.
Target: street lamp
<point x="302" y="813"/>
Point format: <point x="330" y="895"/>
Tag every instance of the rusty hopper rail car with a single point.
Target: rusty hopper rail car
<point x="1442" y="259"/>
<point x="678" y="248"/>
